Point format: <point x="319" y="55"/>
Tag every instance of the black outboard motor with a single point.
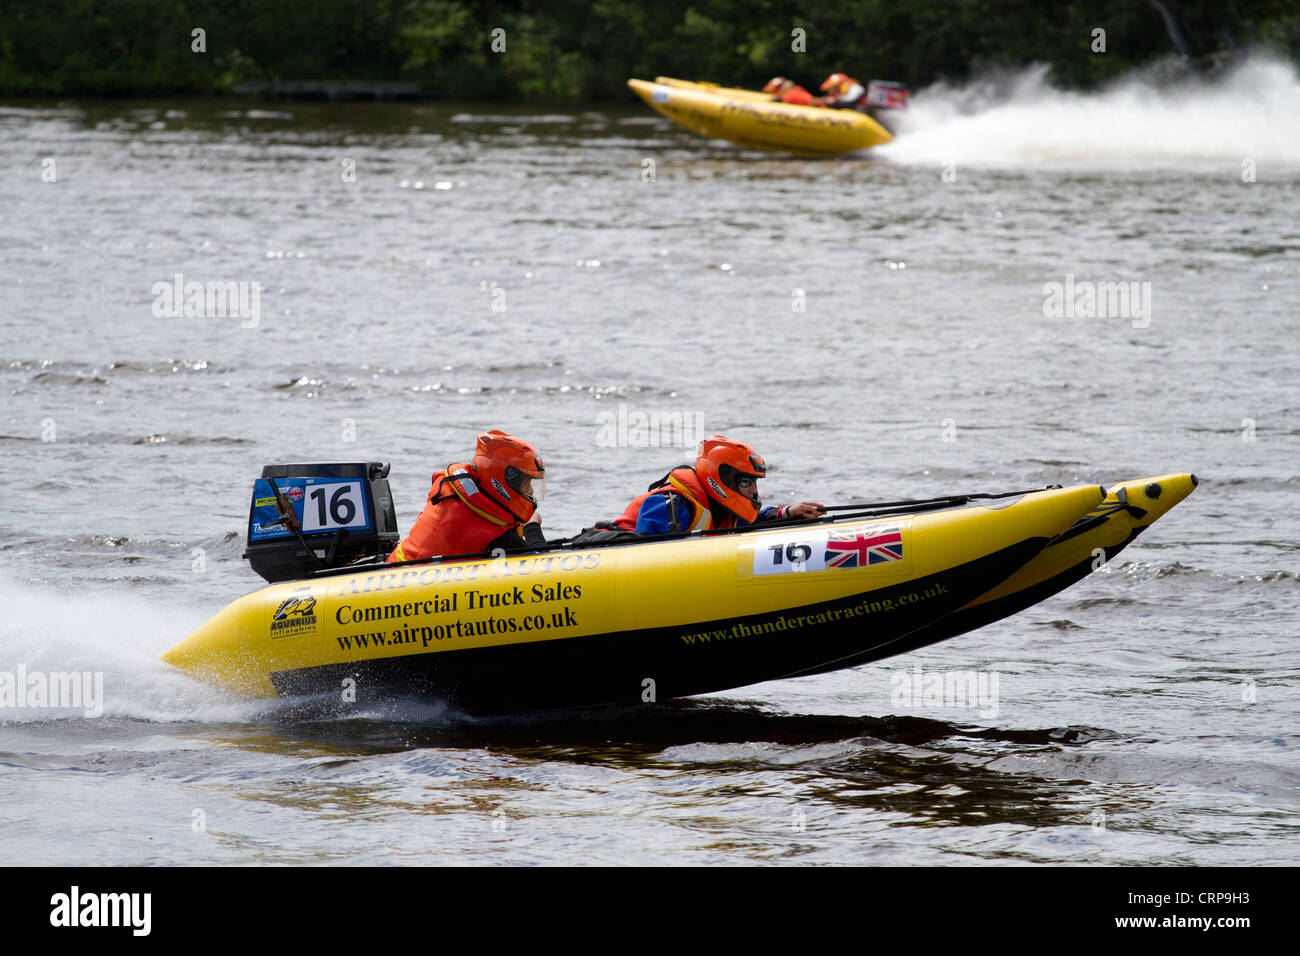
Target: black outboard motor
<point x="305" y="518"/>
<point x="885" y="102"/>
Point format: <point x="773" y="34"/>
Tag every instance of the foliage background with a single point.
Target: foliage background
<point x="580" y="50"/>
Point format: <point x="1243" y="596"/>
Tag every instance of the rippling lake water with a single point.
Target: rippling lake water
<point x="427" y="271"/>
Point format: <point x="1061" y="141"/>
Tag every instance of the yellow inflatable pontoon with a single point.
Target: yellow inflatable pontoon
<point x="651" y="620"/>
<point x="752" y="118"/>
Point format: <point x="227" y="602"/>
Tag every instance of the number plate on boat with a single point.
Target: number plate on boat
<point x="879" y="546"/>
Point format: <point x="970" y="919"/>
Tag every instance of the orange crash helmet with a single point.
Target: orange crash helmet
<point x="509" y="470"/>
<point x="730" y="471"/>
<point x="778" y="84"/>
<point x="840" y="82"/>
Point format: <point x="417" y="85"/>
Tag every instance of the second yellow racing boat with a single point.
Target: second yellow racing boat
<point x="751" y="118"/>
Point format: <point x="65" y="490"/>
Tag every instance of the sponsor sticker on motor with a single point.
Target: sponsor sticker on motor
<point x="318" y="505"/>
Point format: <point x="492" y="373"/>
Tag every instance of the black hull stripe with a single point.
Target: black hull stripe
<point x="614" y="668"/>
<point x="960" y="622"/>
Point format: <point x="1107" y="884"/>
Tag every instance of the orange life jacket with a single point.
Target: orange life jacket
<point x="797" y="96"/>
<point x="458" y="519"/>
<point x="686" y="484"/>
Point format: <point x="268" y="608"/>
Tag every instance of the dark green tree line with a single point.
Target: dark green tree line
<point x="576" y="50"/>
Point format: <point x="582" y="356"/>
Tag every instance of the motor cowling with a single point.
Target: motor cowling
<point x="886" y="94"/>
<point x="885" y="101"/>
<point x="308" y="517"/>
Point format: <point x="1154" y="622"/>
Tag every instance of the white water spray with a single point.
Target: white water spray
<point x="115" y="638"/>
<point x="1251" y="112"/>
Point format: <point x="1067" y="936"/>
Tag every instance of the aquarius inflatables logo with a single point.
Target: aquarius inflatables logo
<point x="295" y="615"/>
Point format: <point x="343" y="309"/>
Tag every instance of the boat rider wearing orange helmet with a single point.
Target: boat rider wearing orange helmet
<point x="788" y="91"/>
<point x="719" y="491"/>
<point x="843" y="92"/>
<point x="487" y="504"/>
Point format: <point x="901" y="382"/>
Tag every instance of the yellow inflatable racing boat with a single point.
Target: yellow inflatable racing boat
<point x="754" y="119"/>
<point x="644" y="620"/>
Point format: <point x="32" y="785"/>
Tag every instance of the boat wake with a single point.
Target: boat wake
<point x="92" y="655"/>
<point x="1248" y="113"/>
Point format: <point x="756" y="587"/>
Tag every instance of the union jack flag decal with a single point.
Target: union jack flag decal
<point x="857" y="549"/>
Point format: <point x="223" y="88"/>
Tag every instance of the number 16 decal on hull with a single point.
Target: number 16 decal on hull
<point x="881" y="546"/>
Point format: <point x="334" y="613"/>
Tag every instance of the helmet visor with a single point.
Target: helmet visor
<point x="534" y="489"/>
<point x="741" y="482"/>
